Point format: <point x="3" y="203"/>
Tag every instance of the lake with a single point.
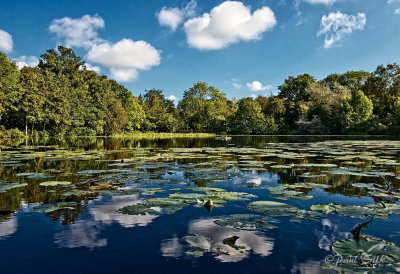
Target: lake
<point x="254" y="204"/>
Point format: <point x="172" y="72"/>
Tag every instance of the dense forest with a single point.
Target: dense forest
<point x="62" y="97"/>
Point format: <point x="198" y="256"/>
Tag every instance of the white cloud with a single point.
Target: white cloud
<point x="337" y="25"/>
<point x="397" y="11"/>
<point x="170" y="17"/>
<point x="228" y="23"/>
<point x="6" y="41"/>
<point x="124" y="74"/>
<point x="173" y="17"/>
<point x="257" y="86"/>
<point x="325" y="2"/>
<point x="26" y="61"/>
<point x="125" y="58"/>
<point x="172" y="98"/>
<point x="96" y="69"/>
<point x="236" y="84"/>
<point x="78" y="32"/>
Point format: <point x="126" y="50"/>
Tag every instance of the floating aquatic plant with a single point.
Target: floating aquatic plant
<point x="55" y="183"/>
<point x="246" y="222"/>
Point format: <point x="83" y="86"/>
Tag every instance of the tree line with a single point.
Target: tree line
<point x="60" y="96"/>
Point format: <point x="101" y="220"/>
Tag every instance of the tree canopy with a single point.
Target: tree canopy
<point x="61" y="96"/>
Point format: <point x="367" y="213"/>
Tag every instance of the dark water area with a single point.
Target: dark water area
<point x="281" y="204"/>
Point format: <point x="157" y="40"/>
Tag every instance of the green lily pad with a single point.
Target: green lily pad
<point x="316" y="165"/>
<point x="155" y="206"/>
<point x="380" y="211"/>
<point x="49" y="208"/>
<point x="40" y="176"/>
<point x="366" y="248"/>
<point x="55" y="183"/>
<point x="34" y="175"/>
<point x="90" y="172"/>
<point x="281" y="166"/>
<point x="285" y="194"/>
<point x="245" y="222"/>
<point x="23" y="174"/>
<point x="4" y="187"/>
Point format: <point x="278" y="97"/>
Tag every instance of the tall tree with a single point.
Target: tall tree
<point x="160" y="112"/>
<point x="198" y="107"/>
<point x="295" y="91"/>
<point x="248" y="118"/>
<point x="9" y="84"/>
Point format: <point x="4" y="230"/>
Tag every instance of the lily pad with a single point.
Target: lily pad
<point x="49" y="208"/>
<point x="40" y="176"/>
<point x="366" y="248"/>
<point x="380" y="211"/>
<point x="55" y="183"/>
<point x="4" y="187"/>
<point x="155" y="206"/>
<point x="245" y="222"/>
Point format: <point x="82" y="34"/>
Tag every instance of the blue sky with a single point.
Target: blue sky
<point x="244" y="47"/>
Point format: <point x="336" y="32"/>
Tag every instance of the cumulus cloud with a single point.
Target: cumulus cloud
<point x="88" y="66"/>
<point x="335" y="26"/>
<point x="26" y="61"/>
<point x="173" y="17"/>
<point x="228" y="23"/>
<point x="326" y="2"/>
<point x="205" y="235"/>
<point x="125" y="58"/>
<point x="78" y="32"/>
<point x="170" y="17"/>
<point x="172" y="98"/>
<point x="257" y="86"/>
<point x="6" y="41"/>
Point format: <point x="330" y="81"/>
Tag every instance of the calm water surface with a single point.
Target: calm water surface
<point x="135" y="206"/>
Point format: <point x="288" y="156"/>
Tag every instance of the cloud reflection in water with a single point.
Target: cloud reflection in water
<point x="86" y="233"/>
<point x="8" y="226"/>
<point x="206" y="236"/>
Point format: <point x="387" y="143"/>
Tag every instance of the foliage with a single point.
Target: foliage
<point x="61" y="97"/>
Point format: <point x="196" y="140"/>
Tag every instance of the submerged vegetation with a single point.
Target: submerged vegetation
<point x="62" y="97"/>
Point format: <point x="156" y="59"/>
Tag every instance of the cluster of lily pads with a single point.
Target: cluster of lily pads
<point x="170" y="179"/>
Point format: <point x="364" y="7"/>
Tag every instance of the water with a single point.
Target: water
<point x="78" y="227"/>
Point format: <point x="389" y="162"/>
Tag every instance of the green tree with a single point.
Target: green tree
<point x="161" y="113"/>
<point x="117" y="118"/>
<point x="355" y="110"/>
<point x="249" y="119"/>
<point x="383" y="88"/>
<point x="274" y="110"/>
<point x="295" y="91"/>
<point x="350" y="79"/>
<point x="9" y="84"/>
<point x="61" y="61"/>
<point x="200" y="106"/>
<point x="33" y="97"/>
<point x="136" y="113"/>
